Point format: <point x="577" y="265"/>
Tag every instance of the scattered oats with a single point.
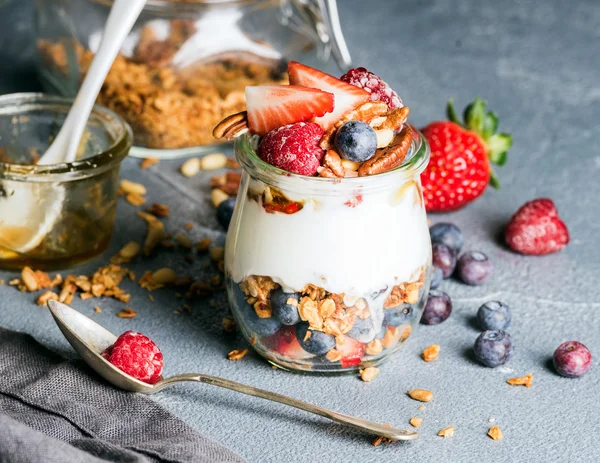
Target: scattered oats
<point x="47" y="296"/>
<point x="526" y="381"/>
<point x="126" y="254"/>
<point x="446" y="432"/>
<point x="188" y="226"/>
<point x="183" y="240"/>
<point x="148" y="162"/>
<point x="127" y="313"/>
<point x="2" y="282"/>
<point x="203" y="244"/>
<point x="14" y="282"/>
<point x="151" y="297"/>
<point x="190" y="167"/>
<point x="177" y="312"/>
<point x="178" y="295"/>
<point x="491" y="420"/>
<point x="132" y="188"/>
<point x="216" y="254"/>
<point x="159" y="210"/>
<point x="29" y="279"/>
<point x="431" y="353"/>
<point x="212" y="303"/>
<point x="135" y="200"/>
<point x="422" y="408"/>
<point x="213" y="161"/>
<point x="218" y="196"/>
<point x="369" y="374"/>
<point x="422" y="395"/>
<point x="164" y="276"/>
<point x="228" y="324"/>
<point x="155" y="234"/>
<point x="215" y="280"/>
<point x="237" y="354"/>
<point x="97" y="309"/>
<point x="495" y="433"/>
<point x="167" y="244"/>
<point x="415" y="421"/>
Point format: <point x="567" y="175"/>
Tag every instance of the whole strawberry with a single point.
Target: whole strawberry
<point x="459" y="169"/>
<point x="536" y="229"/>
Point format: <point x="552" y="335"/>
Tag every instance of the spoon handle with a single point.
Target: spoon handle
<point x="353" y="422"/>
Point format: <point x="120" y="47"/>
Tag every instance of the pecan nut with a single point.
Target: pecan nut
<point x="394" y="119"/>
<point x="231" y="125"/>
<point x="389" y="157"/>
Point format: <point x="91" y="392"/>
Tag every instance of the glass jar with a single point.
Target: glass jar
<point x="328" y="275"/>
<point x="185" y="64"/>
<point x="56" y="215"/>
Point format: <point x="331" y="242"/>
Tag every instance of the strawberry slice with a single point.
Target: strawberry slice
<point x="347" y="96"/>
<point x="272" y="106"/>
<point x="285" y="343"/>
<point x="352" y="351"/>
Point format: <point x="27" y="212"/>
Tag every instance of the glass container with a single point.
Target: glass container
<point x="185" y="64"/>
<point x="57" y="215"/>
<point x="328" y="275"/>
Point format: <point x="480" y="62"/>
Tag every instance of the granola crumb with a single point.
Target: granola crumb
<point x="415" y="421"/>
<point x="47" y="296"/>
<point x="183" y="240"/>
<point x="369" y="374"/>
<point x="212" y="303"/>
<point x="422" y="395"/>
<point x="491" y="420"/>
<point x="186" y="308"/>
<point x="526" y="381"/>
<point x="422" y="408"/>
<point x="128" y="312"/>
<point x="229" y="324"/>
<point x="495" y="433"/>
<point x="237" y="354"/>
<point x="148" y="162"/>
<point x="135" y="199"/>
<point x="151" y="297"/>
<point x="203" y="244"/>
<point x="431" y="353"/>
<point x="177" y="312"/>
<point x="97" y="309"/>
<point x="188" y="226"/>
<point x="446" y="432"/>
<point x="159" y="210"/>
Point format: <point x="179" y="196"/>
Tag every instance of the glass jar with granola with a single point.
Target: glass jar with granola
<point x="328" y="254"/>
<point x="186" y="63"/>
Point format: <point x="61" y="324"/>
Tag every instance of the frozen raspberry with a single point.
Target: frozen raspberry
<point x="537" y="229"/>
<point x="294" y="148"/>
<point x="379" y="90"/>
<point x="136" y="355"/>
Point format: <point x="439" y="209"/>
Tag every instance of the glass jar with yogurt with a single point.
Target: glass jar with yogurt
<point x="328" y="275"/>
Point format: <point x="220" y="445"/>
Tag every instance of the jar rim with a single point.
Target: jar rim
<point x="415" y="162"/>
<point x="184" y="5"/>
<point x="19" y="104"/>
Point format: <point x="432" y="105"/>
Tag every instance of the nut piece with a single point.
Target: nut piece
<point x="422" y="395"/>
<point x="148" y="162"/>
<point x="384" y="137"/>
<point x="231" y="125"/>
<point x="237" y="354"/>
<point x="526" y="380"/>
<point x="29" y="279"/>
<point x="127" y="313"/>
<point x="334" y="162"/>
<point x="213" y="161"/>
<point x="495" y="433"/>
<point x="183" y="240"/>
<point x="47" y="296"/>
<point x="190" y="167"/>
<point x="369" y="374"/>
<point x="126" y="254"/>
<point x="218" y="196"/>
<point x="132" y="188"/>
<point x="203" y="244"/>
<point x="394" y="119"/>
<point x="389" y="157"/>
<point x="415" y="421"/>
<point x="374" y="347"/>
<point x="229" y="324"/>
<point x="431" y="353"/>
<point x="164" y="276"/>
<point x="446" y="432"/>
<point x="216" y="254"/>
<point x="350" y="165"/>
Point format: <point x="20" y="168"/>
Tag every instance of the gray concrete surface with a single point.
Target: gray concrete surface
<point x="537" y="65"/>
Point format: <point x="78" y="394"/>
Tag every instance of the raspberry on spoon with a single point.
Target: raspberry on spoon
<point x="136" y="355"/>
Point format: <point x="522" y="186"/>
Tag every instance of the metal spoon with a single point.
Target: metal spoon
<point x="90" y="339"/>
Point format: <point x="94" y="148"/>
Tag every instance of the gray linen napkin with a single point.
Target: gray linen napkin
<point x="54" y="410"/>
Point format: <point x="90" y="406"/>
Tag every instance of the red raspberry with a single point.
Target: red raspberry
<point x="379" y="90"/>
<point x="136" y="355"/>
<point x="536" y="229"/>
<point x="294" y="148"/>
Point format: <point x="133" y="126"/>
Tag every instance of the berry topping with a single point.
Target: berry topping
<point x="399" y="315"/>
<point x="315" y="342"/>
<point x="356" y="141"/>
<point x="284" y="342"/>
<point x="494" y="315"/>
<point x="225" y="212"/>
<point x="493" y="348"/>
<point x="537" y="229"/>
<point x="448" y="234"/>
<point x="443" y="258"/>
<point x="437" y="308"/>
<point x="352" y="351"/>
<point x="371" y="83"/>
<point x="459" y="168"/>
<point x="136" y="354"/>
<point x="474" y="268"/>
<point x="572" y="359"/>
<point x="436" y="277"/>
<point x="347" y="96"/>
<point x="271" y="106"/>
<point x="285" y="306"/>
<point x="294" y="148"/>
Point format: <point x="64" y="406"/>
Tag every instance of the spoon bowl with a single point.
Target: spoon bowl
<point x="90" y="339"/>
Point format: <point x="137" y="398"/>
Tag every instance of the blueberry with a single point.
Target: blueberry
<point x="284" y="312"/>
<point x="572" y="359"/>
<point x="317" y="343"/>
<point x="437" y="308"/>
<point x="356" y="141"/>
<point x="436" y="277"/>
<point x="363" y="330"/>
<point x="494" y="315"/>
<point x="260" y="326"/>
<point x="443" y="258"/>
<point x="493" y="348"/>
<point x="397" y="316"/>
<point x="474" y="268"/>
<point x="225" y="212"/>
<point x="448" y="234"/>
